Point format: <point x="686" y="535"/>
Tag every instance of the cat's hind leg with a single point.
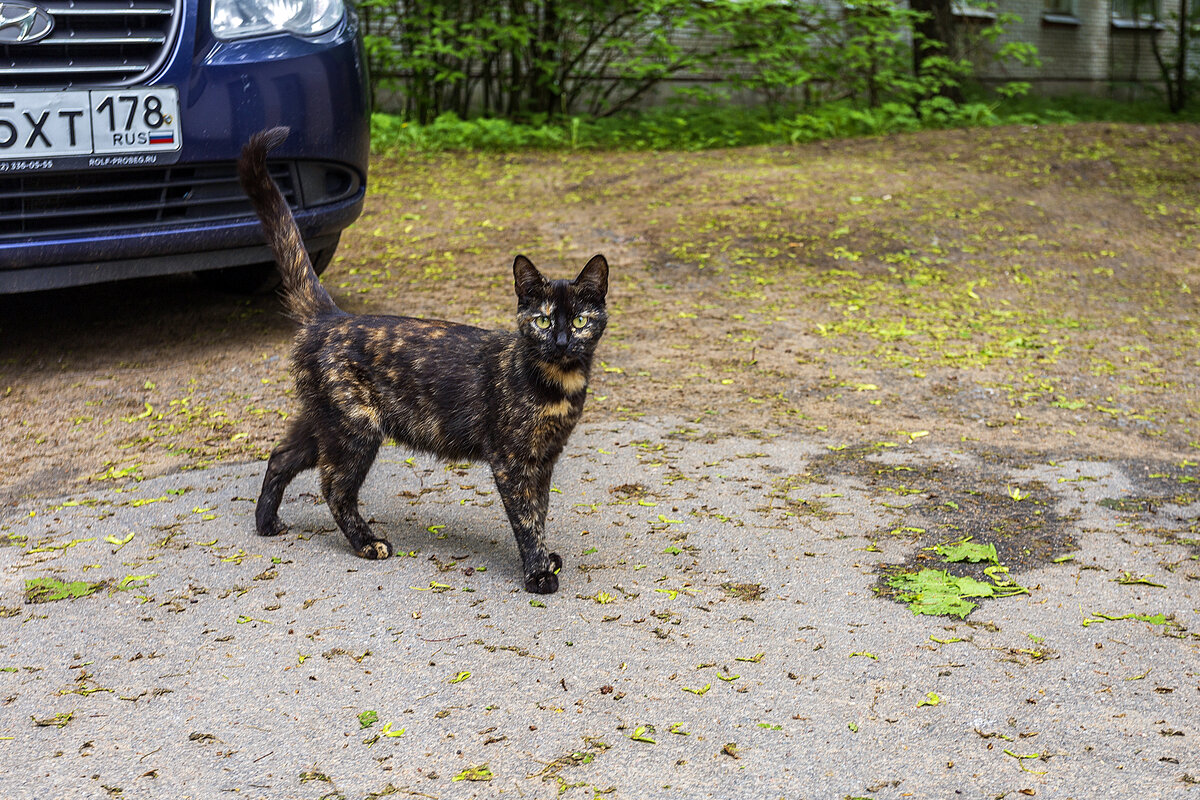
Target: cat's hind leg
<point x="344" y="462"/>
<point x="296" y="453"/>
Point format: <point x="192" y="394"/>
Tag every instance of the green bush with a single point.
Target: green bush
<point x="705" y="127"/>
<point x="597" y="58"/>
<point x="1098" y="109"/>
<point x="699" y="128"/>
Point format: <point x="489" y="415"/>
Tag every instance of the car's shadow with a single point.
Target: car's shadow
<point x="140" y="320"/>
<point x="80" y="369"/>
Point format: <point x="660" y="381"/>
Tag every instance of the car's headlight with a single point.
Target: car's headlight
<point x="236" y="19"/>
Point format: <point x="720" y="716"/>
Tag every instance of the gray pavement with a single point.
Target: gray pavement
<point x="720" y="631"/>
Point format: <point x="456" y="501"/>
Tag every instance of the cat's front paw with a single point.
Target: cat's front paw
<point x="271" y="527"/>
<point x="376" y="550"/>
<point x="542" y="582"/>
<point x="545" y="581"/>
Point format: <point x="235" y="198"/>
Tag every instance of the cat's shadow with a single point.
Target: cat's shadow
<point x="404" y="507"/>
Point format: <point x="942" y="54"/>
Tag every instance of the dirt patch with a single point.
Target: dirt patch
<point x="944" y="502"/>
<point x="970" y="521"/>
<point x="1019" y="288"/>
<point x="1164" y="502"/>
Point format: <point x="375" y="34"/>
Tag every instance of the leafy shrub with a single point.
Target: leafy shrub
<point x="559" y="58"/>
<point x="699" y="128"/>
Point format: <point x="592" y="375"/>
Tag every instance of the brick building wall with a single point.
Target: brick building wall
<point x="1082" y="45"/>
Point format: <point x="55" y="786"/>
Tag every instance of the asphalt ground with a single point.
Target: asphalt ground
<point x="725" y="628"/>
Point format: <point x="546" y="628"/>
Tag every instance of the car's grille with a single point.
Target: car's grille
<point x="105" y="200"/>
<point x="94" y="42"/>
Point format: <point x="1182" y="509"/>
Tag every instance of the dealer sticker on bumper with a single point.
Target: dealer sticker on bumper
<point x="37" y="127"/>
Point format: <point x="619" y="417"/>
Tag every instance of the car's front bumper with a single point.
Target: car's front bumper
<point x="105" y="224"/>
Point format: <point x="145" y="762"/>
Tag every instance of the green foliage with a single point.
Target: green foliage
<point x="871" y="55"/>
<point x="532" y="56"/>
<point x="771" y="49"/>
<point x="690" y="129"/>
<point x="525" y="58"/>
<point x="937" y="592"/>
<point x="1089" y="108"/>
<point x="448" y="132"/>
<point x="1181" y="28"/>
<point x="940" y="592"/>
<point x="723" y="125"/>
<point x="47" y="590"/>
<point x="967" y="551"/>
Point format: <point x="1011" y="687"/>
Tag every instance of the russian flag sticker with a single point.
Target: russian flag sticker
<point x="162" y="138"/>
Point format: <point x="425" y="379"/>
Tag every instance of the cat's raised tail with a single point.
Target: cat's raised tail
<point x="303" y="293"/>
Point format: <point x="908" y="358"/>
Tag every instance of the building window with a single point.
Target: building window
<point x="1060" y="12"/>
<point x="1136" y="15"/>
<point x="974" y="9"/>
<point x="1135" y="10"/>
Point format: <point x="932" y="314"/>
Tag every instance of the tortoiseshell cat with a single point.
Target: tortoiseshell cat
<point x="510" y="399"/>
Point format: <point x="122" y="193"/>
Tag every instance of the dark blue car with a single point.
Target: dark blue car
<point x="121" y="122"/>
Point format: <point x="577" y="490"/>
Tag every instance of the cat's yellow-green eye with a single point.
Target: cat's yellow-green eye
<point x="542" y="322"/>
<point x="579" y="321"/>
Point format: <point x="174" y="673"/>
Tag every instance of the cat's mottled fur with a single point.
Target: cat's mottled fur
<point x="509" y="399"/>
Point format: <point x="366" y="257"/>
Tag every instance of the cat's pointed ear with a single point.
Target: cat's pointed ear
<point x="593" y="278"/>
<point x="529" y="282"/>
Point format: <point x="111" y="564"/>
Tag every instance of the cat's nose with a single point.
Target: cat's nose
<point x="561" y="341"/>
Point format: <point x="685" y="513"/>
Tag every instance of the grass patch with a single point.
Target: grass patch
<point x="691" y="128"/>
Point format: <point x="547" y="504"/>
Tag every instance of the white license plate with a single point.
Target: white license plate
<point x="125" y="121"/>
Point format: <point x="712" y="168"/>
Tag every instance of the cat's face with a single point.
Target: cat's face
<point x="562" y="320"/>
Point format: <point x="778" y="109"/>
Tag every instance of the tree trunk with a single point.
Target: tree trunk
<point x="515" y="54"/>
<point x="1174" y="75"/>
<point x="1181" y="78"/>
<point x="933" y="35"/>
<point x="547" y="94"/>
